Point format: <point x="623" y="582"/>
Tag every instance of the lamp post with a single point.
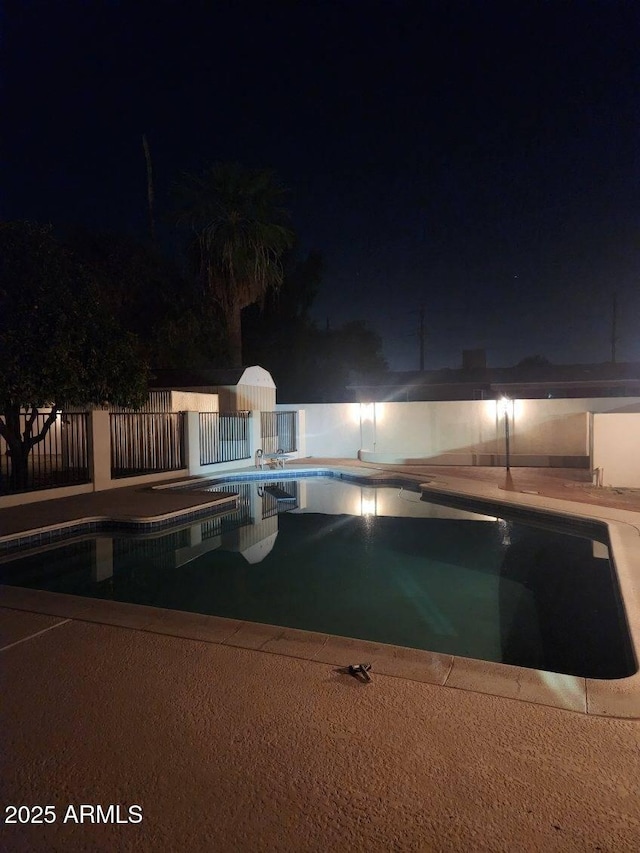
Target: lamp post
<point x="504" y="408"/>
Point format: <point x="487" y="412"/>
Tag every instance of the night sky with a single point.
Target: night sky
<point x="480" y="159"/>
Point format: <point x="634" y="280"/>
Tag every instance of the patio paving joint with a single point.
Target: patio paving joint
<point x="34" y="635"/>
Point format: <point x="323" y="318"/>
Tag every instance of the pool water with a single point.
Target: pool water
<point x="376" y="564"/>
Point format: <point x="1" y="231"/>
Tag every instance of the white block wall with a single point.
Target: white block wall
<point x="330" y="429"/>
<point x="467" y="432"/>
<point x="616" y="449"/>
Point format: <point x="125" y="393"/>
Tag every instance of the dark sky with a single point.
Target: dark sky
<point x="477" y="158"/>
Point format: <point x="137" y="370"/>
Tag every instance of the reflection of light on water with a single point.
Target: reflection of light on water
<point x="504" y="528"/>
<point x="368" y="502"/>
<point x="368" y="506"/>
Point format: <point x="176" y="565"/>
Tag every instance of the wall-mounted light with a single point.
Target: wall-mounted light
<point x="367" y="411"/>
<point x="503" y="406"/>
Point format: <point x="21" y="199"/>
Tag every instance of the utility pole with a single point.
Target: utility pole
<point x="421" y="334"/>
<point x="150" y="198"/>
<point x="614" y="325"/>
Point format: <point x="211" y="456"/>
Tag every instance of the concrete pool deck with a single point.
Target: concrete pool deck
<point x="234" y="747"/>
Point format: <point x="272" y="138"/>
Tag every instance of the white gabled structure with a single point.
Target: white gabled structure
<point x="238" y="389"/>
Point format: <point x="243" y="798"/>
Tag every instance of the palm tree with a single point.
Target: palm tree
<point x="239" y="235"/>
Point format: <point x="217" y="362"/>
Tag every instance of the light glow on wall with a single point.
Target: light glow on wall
<point x="355" y="412"/>
<point x="502" y="406"/>
<point x="367" y="411"/>
<point x="505" y="406"/>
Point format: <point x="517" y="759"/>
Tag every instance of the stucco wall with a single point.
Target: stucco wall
<point x="331" y="429"/>
<point x="470" y="432"/>
<point x="616" y="449"/>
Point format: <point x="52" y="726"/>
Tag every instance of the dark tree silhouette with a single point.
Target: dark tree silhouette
<point x="240" y="232"/>
<point x="59" y="343"/>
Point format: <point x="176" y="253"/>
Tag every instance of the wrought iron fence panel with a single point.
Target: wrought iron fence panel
<point x="278" y="432"/>
<point x="144" y="443"/>
<point x="224" y="437"/>
<point x="272" y="494"/>
<point x="233" y="519"/>
<point x="61" y="458"/>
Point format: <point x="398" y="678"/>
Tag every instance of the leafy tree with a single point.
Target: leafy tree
<point x="343" y="356"/>
<point x="59" y="343"/>
<point x="301" y="283"/>
<point x="240" y="232"/>
<point x="189" y="338"/>
<point x="278" y="334"/>
<point x="309" y="364"/>
<point x="174" y="322"/>
<point x="140" y="286"/>
<point x="532" y="366"/>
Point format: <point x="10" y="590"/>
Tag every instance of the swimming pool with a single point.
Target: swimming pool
<point x="375" y="563"/>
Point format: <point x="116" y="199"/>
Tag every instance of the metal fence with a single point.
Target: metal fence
<point x="224" y="437"/>
<point x="144" y="443"/>
<point x="278" y="432"/>
<point x="278" y="497"/>
<point x="239" y="517"/>
<point x="61" y="458"/>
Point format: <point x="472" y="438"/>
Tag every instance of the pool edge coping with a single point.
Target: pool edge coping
<point x="435" y="668"/>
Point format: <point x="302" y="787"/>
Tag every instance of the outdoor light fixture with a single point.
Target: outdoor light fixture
<point x="367" y="411"/>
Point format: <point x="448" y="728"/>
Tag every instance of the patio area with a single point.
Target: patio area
<point x="266" y="745"/>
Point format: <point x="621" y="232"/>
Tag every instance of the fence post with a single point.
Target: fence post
<point x="255" y="433"/>
<point x="192" y="442"/>
<point x="301" y="435"/>
<point x="100" y="450"/>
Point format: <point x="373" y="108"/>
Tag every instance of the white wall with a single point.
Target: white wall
<point x="330" y="429"/>
<point x="616" y="449"/>
<point x="430" y="429"/>
<point x="543" y="432"/>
